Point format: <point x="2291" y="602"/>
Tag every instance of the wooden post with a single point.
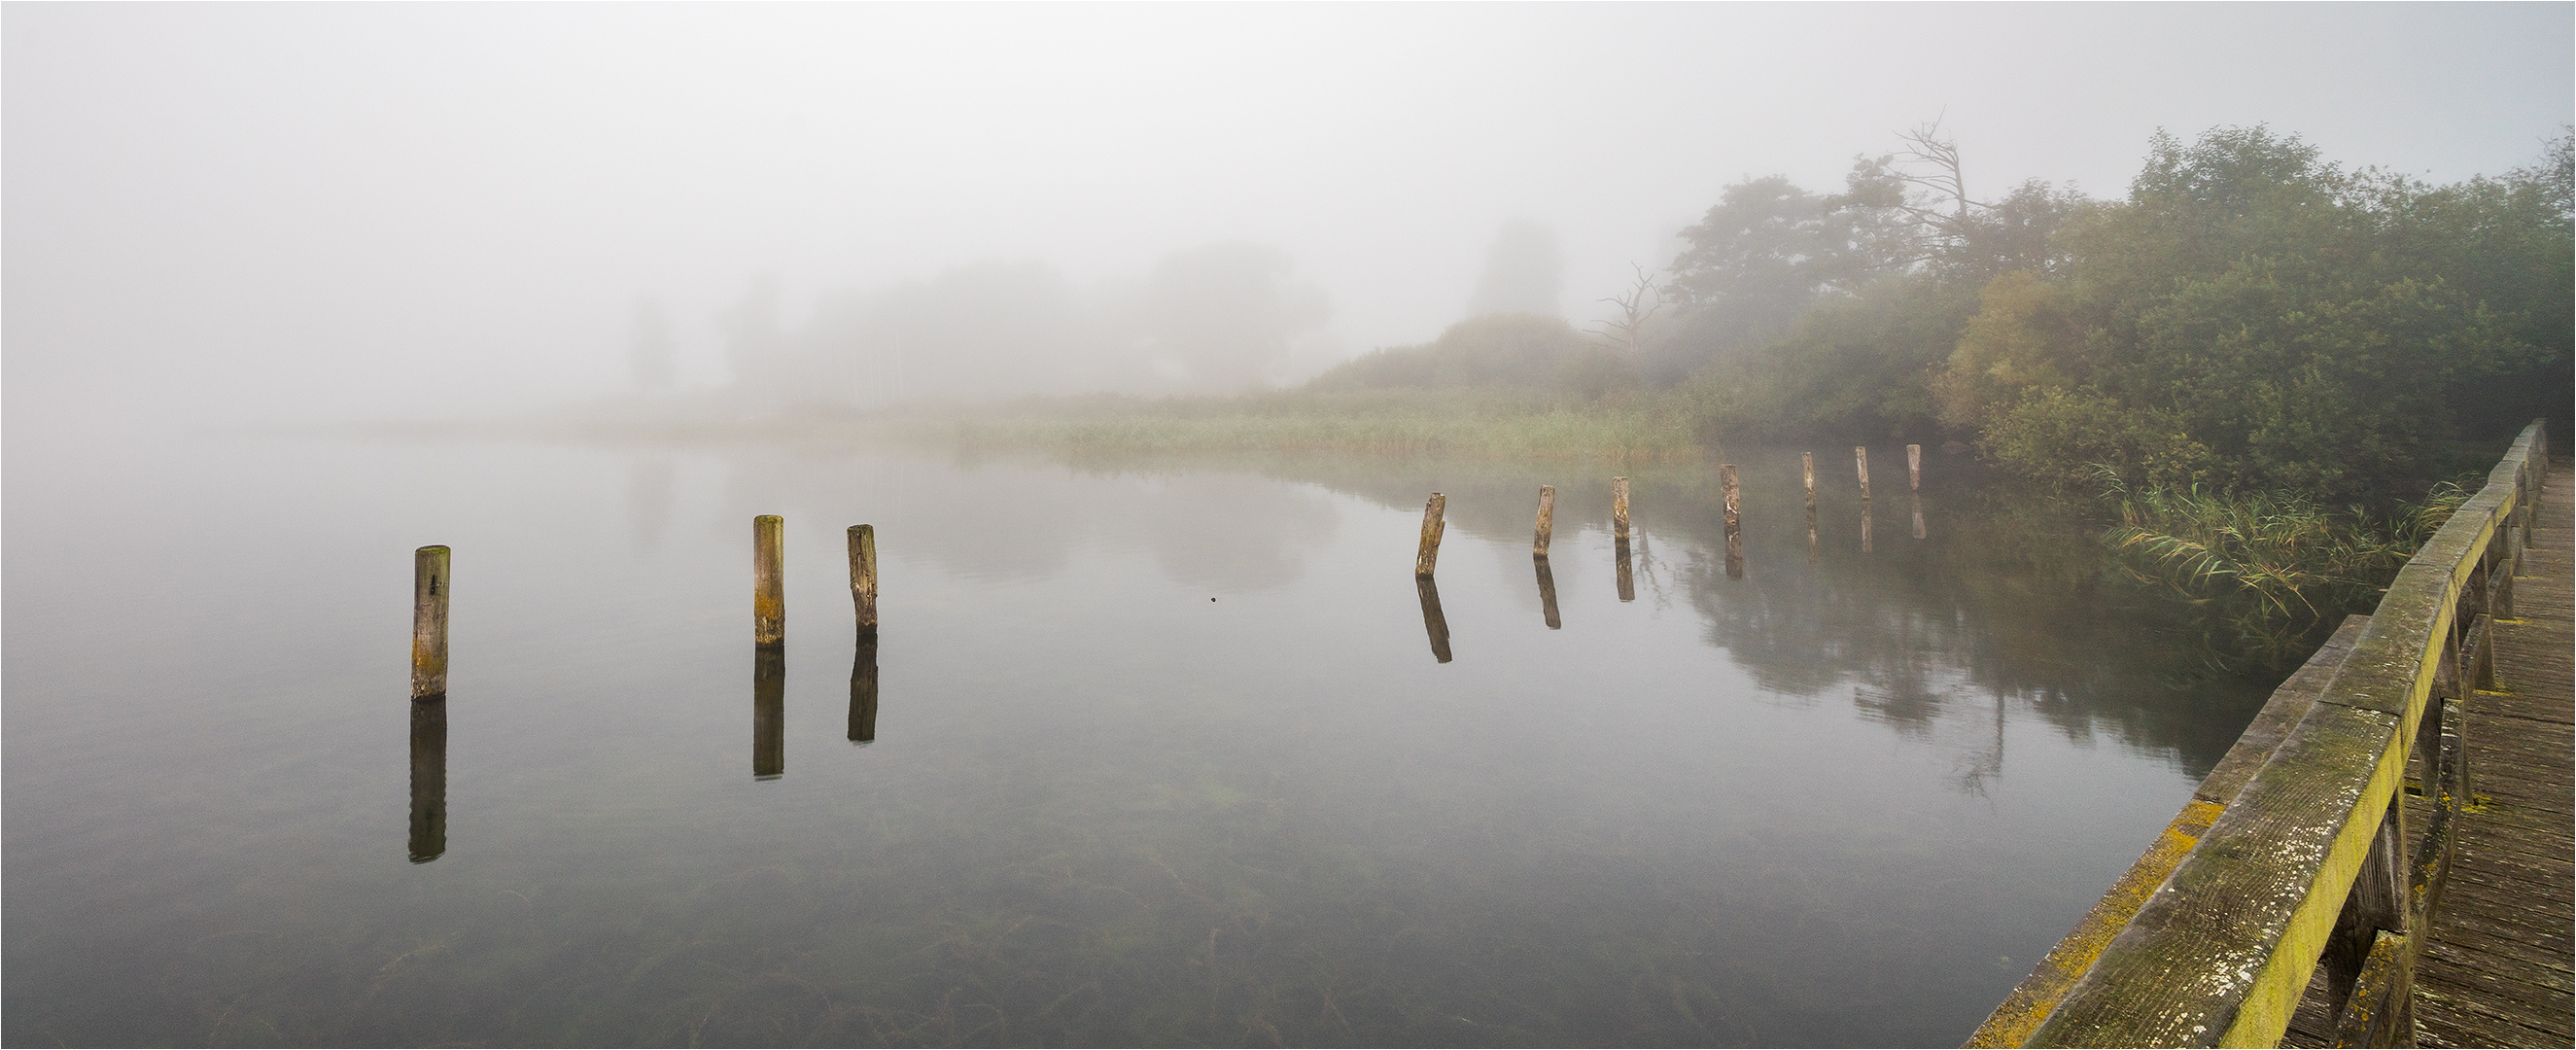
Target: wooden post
<point x="769" y="712"/>
<point x="429" y="623"/>
<point x="768" y="582"/>
<point x="1914" y="468"/>
<point x="863" y="693"/>
<point x="428" y="780"/>
<point x="1619" y="509"/>
<point x="1433" y="623"/>
<point x="1547" y="594"/>
<point x="1428" y="554"/>
<point x="1546" y="519"/>
<point x="1734" y="529"/>
<point x="863" y="577"/>
<point x="1860" y="459"/>
<point x="1807" y="462"/>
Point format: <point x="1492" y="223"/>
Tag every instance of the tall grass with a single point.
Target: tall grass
<point x="2271" y="568"/>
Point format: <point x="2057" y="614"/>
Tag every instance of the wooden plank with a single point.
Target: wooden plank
<point x="2280" y="714"/>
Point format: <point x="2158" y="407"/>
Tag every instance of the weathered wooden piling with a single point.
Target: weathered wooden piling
<point x="768" y="581"/>
<point x="1860" y="461"/>
<point x="1433" y="623"/>
<point x="1547" y="594"/>
<point x="1914" y="468"/>
<point x="1546" y="519"/>
<point x="1734" y="527"/>
<point x="1428" y="554"/>
<point x="863" y="693"/>
<point x="1807" y="465"/>
<point x="1619" y="509"/>
<point x="428" y="839"/>
<point x="429" y="623"/>
<point x="769" y="712"/>
<point x="863" y="577"/>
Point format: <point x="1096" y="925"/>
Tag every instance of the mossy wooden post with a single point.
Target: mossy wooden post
<point x="1913" y="468"/>
<point x="1860" y="462"/>
<point x="1734" y="527"/>
<point x="429" y="623"/>
<point x="428" y="780"/>
<point x="768" y="582"/>
<point x="863" y="577"/>
<point x="1546" y="519"/>
<point x="1619" y="509"/>
<point x="769" y="713"/>
<point x="1428" y="554"/>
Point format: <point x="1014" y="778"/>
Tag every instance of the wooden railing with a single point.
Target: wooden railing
<point x="2294" y="853"/>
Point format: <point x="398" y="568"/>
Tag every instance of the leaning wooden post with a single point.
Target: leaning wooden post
<point x="768" y="582"/>
<point x="429" y="623"/>
<point x="1860" y="459"/>
<point x="1734" y="530"/>
<point x="1546" y="519"/>
<point x="1618" y="508"/>
<point x="1914" y="468"/>
<point x="863" y="577"/>
<point x="1428" y="554"/>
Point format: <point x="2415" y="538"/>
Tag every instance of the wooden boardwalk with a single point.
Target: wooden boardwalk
<point x="2500" y="967"/>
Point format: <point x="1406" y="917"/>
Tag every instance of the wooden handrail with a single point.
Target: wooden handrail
<point x="2295" y="853"/>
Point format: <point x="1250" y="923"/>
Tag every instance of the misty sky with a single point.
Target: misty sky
<point x="328" y="211"/>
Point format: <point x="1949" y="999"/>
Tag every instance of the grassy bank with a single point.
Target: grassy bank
<point x="1451" y="425"/>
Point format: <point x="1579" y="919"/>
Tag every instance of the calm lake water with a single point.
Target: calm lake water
<point x="1160" y="753"/>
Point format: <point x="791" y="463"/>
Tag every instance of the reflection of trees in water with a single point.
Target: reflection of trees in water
<point x="2000" y="608"/>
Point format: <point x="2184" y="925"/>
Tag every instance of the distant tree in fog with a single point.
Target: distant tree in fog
<point x="1213" y="318"/>
<point x="1524" y="273"/>
<point x="988" y="329"/>
<point x="755" y="346"/>
<point x="651" y="353"/>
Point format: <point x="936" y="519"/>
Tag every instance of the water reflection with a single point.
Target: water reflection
<point x="649" y="498"/>
<point x="428" y="780"/>
<point x="1918" y="515"/>
<point x="1864" y="526"/>
<point x="863" y="692"/>
<point x="1547" y="593"/>
<point x="769" y="713"/>
<point x="1433" y="623"/>
<point x="1627" y="575"/>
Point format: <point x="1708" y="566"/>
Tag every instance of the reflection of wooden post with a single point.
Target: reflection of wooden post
<point x="429" y="623"/>
<point x="768" y="581"/>
<point x="863" y="693"/>
<point x="1860" y="459"/>
<point x="1918" y="515"/>
<point x="1627" y="579"/>
<point x="1864" y="526"/>
<point x="1547" y="594"/>
<point x="1546" y="519"/>
<point x="769" y="713"/>
<point x="1428" y="554"/>
<point x="1811" y="535"/>
<point x="428" y="780"/>
<point x="863" y="577"/>
<point x="1618" y="508"/>
<point x="1734" y="527"/>
<point x="1914" y="468"/>
<point x="1433" y="623"/>
<point x="1807" y="465"/>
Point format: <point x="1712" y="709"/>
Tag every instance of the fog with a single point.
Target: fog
<point x="321" y="212"/>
